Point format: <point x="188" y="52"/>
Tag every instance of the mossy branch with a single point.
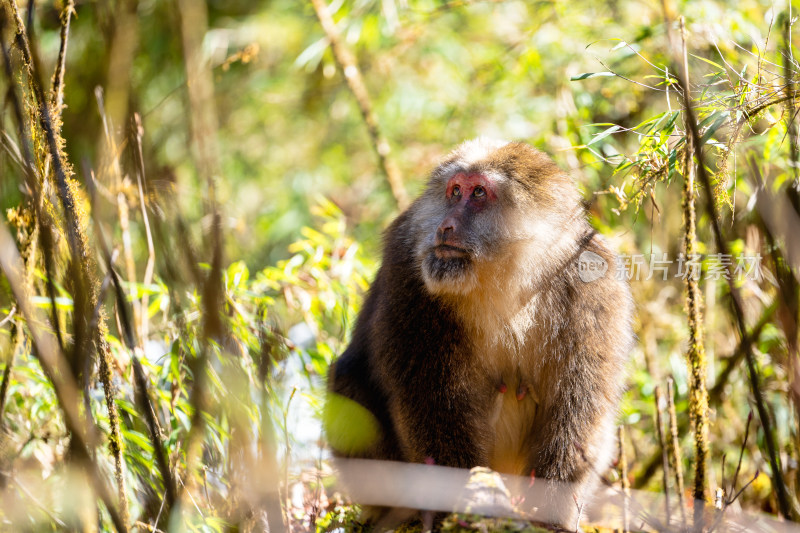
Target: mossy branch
<point x="696" y="355"/>
<point x="57" y="85"/>
<point x="787" y="507"/>
<point x="85" y="284"/>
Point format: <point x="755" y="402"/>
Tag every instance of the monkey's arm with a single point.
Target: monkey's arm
<point x="428" y="382"/>
<point x="436" y="418"/>
<point x="574" y="422"/>
<point x="422" y="361"/>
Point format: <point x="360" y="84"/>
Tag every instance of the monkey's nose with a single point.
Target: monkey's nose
<point x="445" y="232"/>
<point x="448" y="245"/>
<point x="446" y="237"/>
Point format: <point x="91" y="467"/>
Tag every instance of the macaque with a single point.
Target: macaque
<point x="496" y="331"/>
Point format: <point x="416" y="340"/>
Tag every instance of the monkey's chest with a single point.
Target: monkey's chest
<point x="512" y="421"/>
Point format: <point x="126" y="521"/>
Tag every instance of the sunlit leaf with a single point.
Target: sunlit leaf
<point x="603" y="134"/>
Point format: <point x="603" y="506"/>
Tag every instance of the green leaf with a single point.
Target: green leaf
<point x="626" y="163"/>
<point x="671" y="122"/>
<point x="672" y="161"/>
<point x="708" y="61"/>
<point x="649" y="121"/>
<point x="603" y="134"/>
<point x="721" y="118"/>
<point x="587" y="75"/>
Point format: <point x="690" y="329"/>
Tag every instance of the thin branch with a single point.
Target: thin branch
<point x="17" y="334"/>
<point x="9" y="316"/>
<point x="151" y="252"/>
<point x="736" y="496"/>
<point x="675" y="450"/>
<point x="625" y="485"/>
<point x="741" y="455"/>
<point x="347" y="63"/>
<point x="664" y="455"/>
<point x="57" y="85"/>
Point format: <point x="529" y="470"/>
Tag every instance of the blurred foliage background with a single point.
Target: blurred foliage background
<point x="225" y="162"/>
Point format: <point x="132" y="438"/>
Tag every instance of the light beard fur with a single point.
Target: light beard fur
<point x="448" y="275"/>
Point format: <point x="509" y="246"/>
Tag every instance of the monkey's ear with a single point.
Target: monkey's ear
<point x="350" y="427"/>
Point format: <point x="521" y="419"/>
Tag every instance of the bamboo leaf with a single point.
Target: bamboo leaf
<point x="721" y="118"/>
<point x="708" y="61"/>
<point x="603" y="134"/>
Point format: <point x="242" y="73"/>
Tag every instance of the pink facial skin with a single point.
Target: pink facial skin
<point x="467" y="185"/>
<point x="467" y="194"/>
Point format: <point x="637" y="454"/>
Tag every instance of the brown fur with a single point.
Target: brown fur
<point x="427" y="358"/>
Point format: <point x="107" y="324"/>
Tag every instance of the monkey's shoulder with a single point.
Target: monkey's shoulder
<point x="597" y="277"/>
<point x="590" y="300"/>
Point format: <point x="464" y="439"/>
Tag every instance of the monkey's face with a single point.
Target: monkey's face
<point x="468" y="202"/>
<point x="460" y="226"/>
<point x="489" y="209"/>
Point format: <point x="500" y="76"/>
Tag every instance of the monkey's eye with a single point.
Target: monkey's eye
<point x="479" y="192"/>
<point x="456" y="190"/>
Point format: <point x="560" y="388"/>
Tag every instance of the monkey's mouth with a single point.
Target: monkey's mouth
<point x="447" y="251"/>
